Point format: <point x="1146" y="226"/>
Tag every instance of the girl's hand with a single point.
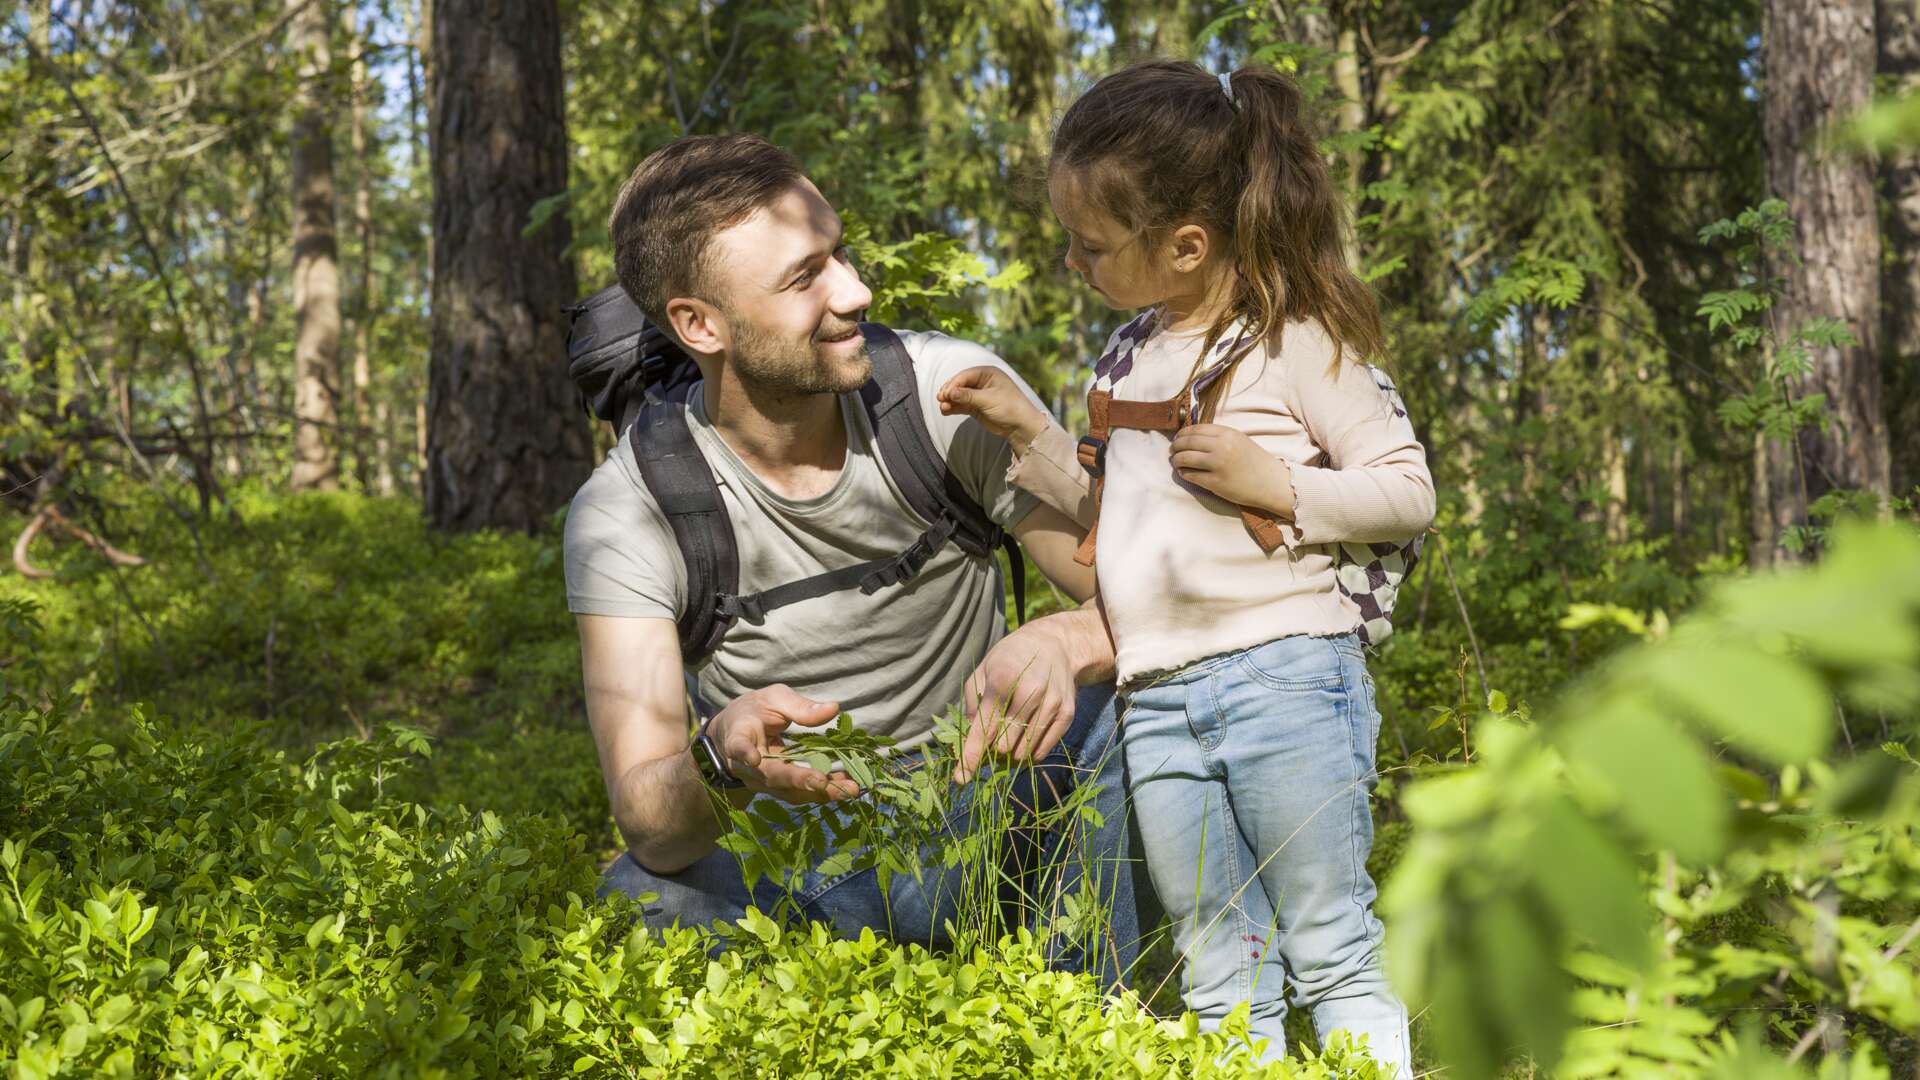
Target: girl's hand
<point x="989" y="396"/>
<point x="1228" y="463"/>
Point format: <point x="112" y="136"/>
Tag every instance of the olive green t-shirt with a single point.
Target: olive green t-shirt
<point x="892" y="659"/>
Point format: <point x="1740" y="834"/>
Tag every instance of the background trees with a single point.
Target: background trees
<point x="1529" y="179"/>
<point x="506" y="444"/>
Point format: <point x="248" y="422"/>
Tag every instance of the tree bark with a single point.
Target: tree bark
<point x="506" y="444"/>
<point x="1819" y="59"/>
<point x="316" y="263"/>
<point x="363" y="440"/>
<point x="1899" y="39"/>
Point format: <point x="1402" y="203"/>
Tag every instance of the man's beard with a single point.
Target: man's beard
<point x="790" y="367"/>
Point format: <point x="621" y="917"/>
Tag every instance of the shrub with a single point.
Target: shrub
<point x="189" y="901"/>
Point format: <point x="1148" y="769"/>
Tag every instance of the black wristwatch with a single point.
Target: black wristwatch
<point x="713" y="767"/>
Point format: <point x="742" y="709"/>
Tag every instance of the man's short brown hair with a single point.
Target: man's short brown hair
<point x="675" y="201"/>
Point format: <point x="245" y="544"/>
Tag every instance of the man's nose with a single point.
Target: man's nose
<point x="850" y="295"/>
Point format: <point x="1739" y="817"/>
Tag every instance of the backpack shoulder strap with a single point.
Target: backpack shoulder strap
<point x="671" y="464"/>
<point x="910" y="456"/>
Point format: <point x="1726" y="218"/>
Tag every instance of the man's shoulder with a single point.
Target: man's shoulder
<point x="938" y="357"/>
<point x="613" y="502"/>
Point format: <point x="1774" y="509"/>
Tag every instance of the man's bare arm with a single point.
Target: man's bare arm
<point x="636" y="705"/>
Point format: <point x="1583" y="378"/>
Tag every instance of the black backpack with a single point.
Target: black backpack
<point x="631" y="374"/>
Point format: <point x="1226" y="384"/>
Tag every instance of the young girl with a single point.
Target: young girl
<point x="1246" y="438"/>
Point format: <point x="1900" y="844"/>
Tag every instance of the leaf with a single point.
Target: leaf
<point x="1657" y="778"/>
<point x="1591" y="883"/>
<point x="145" y="924"/>
<point x="1768" y="705"/>
<point x="1528" y="988"/>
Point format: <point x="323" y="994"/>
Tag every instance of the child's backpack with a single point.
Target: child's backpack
<point x="1370" y="575"/>
<point x="633" y="375"/>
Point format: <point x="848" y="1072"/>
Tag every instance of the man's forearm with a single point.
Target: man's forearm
<point x="666" y="813"/>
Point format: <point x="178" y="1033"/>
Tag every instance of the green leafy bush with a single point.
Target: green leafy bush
<point x="321" y="613"/>
<point x="188" y="901"/>
<point x="1630" y="865"/>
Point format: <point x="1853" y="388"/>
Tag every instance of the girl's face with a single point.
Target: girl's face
<point x="1119" y="265"/>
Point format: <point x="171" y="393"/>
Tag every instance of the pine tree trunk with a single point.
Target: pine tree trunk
<point x="506" y="445"/>
<point x="363" y="439"/>
<point x="1678" y="478"/>
<point x="1819" y="59"/>
<point x="1899" y="36"/>
<point x="383" y="440"/>
<point x="316" y="269"/>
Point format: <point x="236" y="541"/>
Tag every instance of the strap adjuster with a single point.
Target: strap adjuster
<point x="751" y="608"/>
<point x="904" y="566"/>
<point x="1093" y="455"/>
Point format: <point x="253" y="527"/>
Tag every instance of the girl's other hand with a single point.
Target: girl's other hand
<point x="989" y="396"/>
<point x="1228" y="463"/>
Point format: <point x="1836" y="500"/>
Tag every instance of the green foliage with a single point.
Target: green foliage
<point x="190" y="902"/>
<point x="321" y="615"/>
<point x="904" y="825"/>
<point x="1740" y="316"/>
<point x="1525" y="875"/>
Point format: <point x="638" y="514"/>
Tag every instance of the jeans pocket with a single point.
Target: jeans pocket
<point x="1294" y="663"/>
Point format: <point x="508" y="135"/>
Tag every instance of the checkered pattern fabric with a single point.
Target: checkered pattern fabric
<point x="1370" y="575"/>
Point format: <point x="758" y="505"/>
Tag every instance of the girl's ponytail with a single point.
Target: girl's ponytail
<point x="1289" y="224"/>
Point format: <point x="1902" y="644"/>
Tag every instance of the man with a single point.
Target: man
<point x="724" y="243"/>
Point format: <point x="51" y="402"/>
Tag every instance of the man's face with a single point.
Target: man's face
<point x="791" y="300"/>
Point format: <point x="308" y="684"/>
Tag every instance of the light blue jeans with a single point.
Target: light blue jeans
<point x="1249" y="775"/>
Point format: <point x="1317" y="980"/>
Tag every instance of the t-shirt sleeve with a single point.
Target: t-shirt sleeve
<point x="976" y="456"/>
<point x="620" y="555"/>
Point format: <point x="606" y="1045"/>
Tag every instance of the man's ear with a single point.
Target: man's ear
<point x="698" y="325"/>
<point x="1188" y="247"/>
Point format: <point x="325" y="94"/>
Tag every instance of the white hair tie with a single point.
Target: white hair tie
<point x="1226" y="87"/>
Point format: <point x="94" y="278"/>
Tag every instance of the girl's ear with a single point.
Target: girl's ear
<point x="1188" y="247"/>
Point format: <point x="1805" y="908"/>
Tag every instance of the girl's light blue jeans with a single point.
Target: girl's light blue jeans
<point x="1249" y="775"/>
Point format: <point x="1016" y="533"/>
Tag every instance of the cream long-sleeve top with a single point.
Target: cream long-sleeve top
<point x="1180" y="579"/>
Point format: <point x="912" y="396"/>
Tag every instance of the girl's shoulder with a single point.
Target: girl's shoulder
<point x="1301" y="366"/>
<point x="1280" y="365"/>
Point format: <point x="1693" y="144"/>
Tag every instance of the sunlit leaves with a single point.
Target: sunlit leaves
<point x="1554" y="827"/>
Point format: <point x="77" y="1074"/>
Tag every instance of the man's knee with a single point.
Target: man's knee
<point x="699" y="896"/>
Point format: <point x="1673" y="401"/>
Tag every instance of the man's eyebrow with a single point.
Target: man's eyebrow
<point x="801" y="263"/>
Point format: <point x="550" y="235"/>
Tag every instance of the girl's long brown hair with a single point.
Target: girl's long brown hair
<point x="1159" y="144"/>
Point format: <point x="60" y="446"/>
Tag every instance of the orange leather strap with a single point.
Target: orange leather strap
<point x="1104" y="415"/>
<point x="1098" y="430"/>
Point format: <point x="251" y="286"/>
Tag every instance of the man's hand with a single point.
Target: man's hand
<point x="1019" y="701"/>
<point x="1227" y="462"/>
<point x="989" y="396"/>
<point x="750" y="731"/>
